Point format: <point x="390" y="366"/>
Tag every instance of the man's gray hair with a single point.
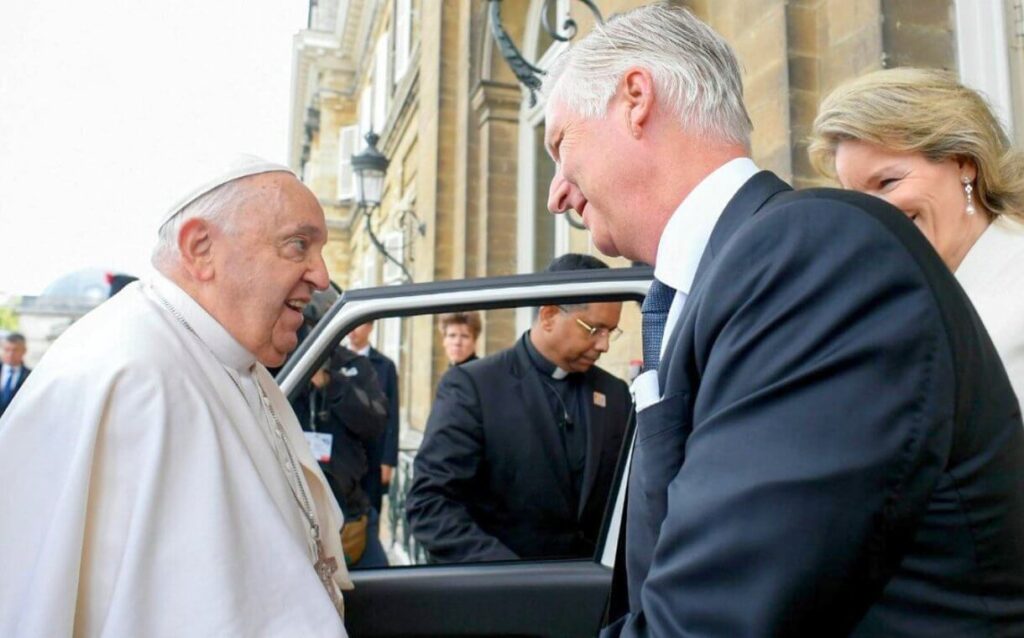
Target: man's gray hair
<point x="695" y="71"/>
<point x="216" y="207"/>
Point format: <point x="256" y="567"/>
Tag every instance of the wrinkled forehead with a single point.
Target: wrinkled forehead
<point x="279" y="203"/>
<point x="556" y="116"/>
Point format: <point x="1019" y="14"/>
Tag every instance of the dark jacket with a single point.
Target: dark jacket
<point x="838" y="450"/>
<point x="491" y="480"/>
<point x="384" y="449"/>
<point x="353" y="410"/>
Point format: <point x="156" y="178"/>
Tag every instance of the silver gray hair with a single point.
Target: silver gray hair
<point x="695" y="71"/>
<point x="217" y="207"/>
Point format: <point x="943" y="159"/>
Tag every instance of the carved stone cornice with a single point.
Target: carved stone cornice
<point x="496" y="101"/>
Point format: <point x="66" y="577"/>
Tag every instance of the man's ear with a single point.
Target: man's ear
<point x="546" y="317"/>
<point x="637" y="93"/>
<point x="196" y="246"/>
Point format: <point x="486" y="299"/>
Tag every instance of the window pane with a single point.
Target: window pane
<point x="500" y="458"/>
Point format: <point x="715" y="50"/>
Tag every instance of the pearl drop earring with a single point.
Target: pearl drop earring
<point x="969" y="193"/>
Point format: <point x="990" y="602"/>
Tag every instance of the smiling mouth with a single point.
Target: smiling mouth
<point x="298" y="305"/>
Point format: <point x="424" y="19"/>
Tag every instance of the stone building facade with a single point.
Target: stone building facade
<point x="466" y="188"/>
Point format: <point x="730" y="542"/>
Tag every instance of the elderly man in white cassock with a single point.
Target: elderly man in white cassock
<point x="155" y="481"/>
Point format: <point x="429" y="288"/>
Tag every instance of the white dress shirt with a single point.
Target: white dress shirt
<point x="10" y="371"/>
<point x="681" y="247"/>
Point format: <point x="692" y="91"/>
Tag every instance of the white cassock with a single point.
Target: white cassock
<point x="141" y="494"/>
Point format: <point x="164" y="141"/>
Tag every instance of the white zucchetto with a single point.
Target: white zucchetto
<point x="217" y="174"/>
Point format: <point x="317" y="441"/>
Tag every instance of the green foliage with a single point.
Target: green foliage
<point x="8" y="319"/>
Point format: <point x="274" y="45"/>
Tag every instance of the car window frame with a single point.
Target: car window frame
<point x="358" y="306"/>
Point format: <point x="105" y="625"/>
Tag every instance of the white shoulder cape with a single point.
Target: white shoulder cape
<point x="139" y="497"/>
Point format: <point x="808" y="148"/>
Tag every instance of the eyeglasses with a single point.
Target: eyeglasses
<point x="594" y="332"/>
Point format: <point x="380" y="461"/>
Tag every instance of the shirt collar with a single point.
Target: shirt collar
<point x="216" y="337"/>
<point x="540" y="362"/>
<point x="365" y="352"/>
<point x="689" y="229"/>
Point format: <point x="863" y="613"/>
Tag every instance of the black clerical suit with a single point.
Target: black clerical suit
<point x="493" y="480"/>
<point x="837" y="449"/>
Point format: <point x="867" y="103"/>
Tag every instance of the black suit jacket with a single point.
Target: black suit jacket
<point x="384" y="449"/>
<point x="491" y="480"/>
<point x="837" y="450"/>
<point x="25" y="371"/>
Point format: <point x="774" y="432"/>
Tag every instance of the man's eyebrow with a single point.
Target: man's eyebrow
<point x="304" y="229"/>
<point x="552" y="147"/>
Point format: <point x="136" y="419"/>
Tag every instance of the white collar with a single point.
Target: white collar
<point x="365" y="352"/>
<point x="216" y="337"/>
<point x="689" y="229"/>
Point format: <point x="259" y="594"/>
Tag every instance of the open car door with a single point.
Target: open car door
<point x="525" y="598"/>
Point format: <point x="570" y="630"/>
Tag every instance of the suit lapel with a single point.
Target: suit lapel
<point x="747" y="201"/>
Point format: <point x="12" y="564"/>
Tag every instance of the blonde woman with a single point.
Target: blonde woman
<point x="932" y="147"/>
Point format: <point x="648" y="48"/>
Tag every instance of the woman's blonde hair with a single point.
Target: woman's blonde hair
<point x="929" y="112"/>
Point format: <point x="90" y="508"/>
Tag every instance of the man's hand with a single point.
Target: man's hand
<point x="385" y="474"/>
<point x="320" y="379"/>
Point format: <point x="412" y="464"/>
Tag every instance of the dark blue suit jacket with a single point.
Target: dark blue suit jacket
<point x="837" y="450"/>
<point x="384" y="449"/>
<point x="14" y="390"/>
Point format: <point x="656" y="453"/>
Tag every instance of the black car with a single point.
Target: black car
<point x="525" y="598"/>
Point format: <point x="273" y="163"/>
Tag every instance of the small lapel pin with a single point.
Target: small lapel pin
<point x="599" y="399"/>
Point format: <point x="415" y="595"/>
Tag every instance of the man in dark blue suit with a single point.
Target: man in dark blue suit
<point x="827" y="443"/>
<point x="13" y="371"/>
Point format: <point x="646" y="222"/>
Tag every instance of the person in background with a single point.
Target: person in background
<point x="381" y="453"/>
<point x="521" y="446"/>
<point x="13" y="370"/>
<point x="343" y="413"/>
<point x="932" y="147"/>
<point x="459" y="332"/>
<point x="826" y="441"/>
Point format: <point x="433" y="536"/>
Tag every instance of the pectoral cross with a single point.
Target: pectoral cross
<point x="325" y="567"/>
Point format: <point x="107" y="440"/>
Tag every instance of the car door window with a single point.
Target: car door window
<point x="510" y="428"/>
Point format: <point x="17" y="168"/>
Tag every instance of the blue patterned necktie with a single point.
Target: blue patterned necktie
<point x="654" y="313"/>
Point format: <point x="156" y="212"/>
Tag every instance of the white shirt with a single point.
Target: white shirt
<point x="681" y="247"/>
<point x="146" y="497"/>
<point x="364" y="352"/>
<point x="10" y="371"/>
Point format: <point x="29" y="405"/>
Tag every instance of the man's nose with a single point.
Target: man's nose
<point x="317" y="274"/>
<point x="603" y="342"/>
<point x="563" y="195"/>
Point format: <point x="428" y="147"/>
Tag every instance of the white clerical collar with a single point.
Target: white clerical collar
<point x="364" y="352"/>
<point x="689" y="229"/>
<point x="227" y="350"/>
